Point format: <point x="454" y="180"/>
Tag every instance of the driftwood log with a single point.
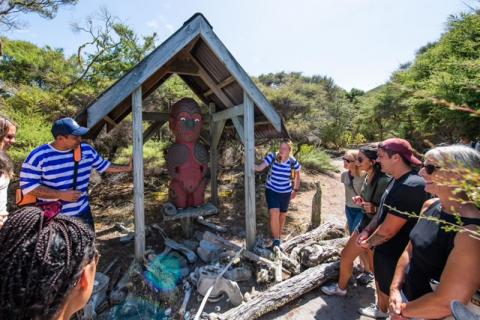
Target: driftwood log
<point x="282" y="293"/>
<point x="324" y="232"/>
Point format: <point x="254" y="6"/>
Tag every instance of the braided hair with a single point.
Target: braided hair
<point x="40" y="261"/>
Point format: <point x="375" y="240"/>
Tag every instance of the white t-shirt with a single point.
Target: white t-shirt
<point x="4" y="181"/>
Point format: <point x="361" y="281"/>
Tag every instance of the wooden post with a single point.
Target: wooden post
<point x="249" y="135"/>
<point x="213" y="157"/>
<point x="316" y="207"/>
<point x="138" y="174"/>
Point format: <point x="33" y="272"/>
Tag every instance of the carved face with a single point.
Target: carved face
<point x="186" y="120"/>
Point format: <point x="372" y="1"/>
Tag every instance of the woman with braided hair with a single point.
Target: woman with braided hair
<point x="47" y="266"/>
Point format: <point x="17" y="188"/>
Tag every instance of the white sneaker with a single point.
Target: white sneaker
<point x="373" y="311"/>
<point x="333" y="290"/>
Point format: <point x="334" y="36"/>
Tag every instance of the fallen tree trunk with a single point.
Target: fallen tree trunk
<point x="282" y="293"/>
<point x="325" y="231"/>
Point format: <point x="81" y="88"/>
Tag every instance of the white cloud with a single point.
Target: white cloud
<point x="153" y="24"/>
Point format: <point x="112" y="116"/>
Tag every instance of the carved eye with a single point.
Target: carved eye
<point x="182" y="119"/>
<point x="197" y="120"/>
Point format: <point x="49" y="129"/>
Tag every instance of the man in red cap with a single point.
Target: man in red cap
<point x="388" y="233"/>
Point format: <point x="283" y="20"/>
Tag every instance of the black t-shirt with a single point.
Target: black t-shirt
<point x="431" y="246"/>
<point x="406" y="194"/>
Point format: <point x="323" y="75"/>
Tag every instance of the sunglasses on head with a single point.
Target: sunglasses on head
<point x="430" y="168"/>
<point x="348" y="160"/>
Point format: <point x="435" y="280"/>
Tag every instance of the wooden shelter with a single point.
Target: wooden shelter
<point x="197" y="55"/>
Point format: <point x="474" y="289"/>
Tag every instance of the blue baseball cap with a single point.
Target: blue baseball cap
<point x="68" y="126"/>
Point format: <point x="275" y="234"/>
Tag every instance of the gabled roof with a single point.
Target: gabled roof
<point x="197" y="55"/>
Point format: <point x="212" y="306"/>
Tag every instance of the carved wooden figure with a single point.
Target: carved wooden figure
<point x="187" y="160"/>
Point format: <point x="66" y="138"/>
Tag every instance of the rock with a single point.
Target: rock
<point x="168" y="312"/>
<point x="169" y="209"/>
<point x="190" y="244"/>
<point x="239" y="274"/>
<point x="187" y="315"/>
<point x="230" y="288"/>
<point x="218" y="308"/>
<point x="208" y="251"/>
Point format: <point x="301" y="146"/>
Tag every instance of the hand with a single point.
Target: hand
<point x="368" y="207"/>
<point x="365" y="245"/>
<point x="362" y="237"/>
<point x="293" y="195"/>
<point x="357" y="200"/>
<point x="70" y="195"/>
<point x="395" y="303"/>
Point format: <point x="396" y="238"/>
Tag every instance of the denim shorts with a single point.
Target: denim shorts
<point x="87" y="218"/>
<point x="277" y="200"/>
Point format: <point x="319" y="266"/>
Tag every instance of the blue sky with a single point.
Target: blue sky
<point x="356" y="42"/>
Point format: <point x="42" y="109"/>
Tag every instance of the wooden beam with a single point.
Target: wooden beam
<point x="229" y="113"/>
<point x="138" y="186"/>
<point x="110" y="121"/>
<point x="217" y="134"/>
<point x="213" y="158"/>
<point x="114" y="95"/>
<point x="240" y="75"/>
<point x="238" y="124"/>
<point x="248" y="124"/>
<point x="184" y="67"/>
<point x="155" y="116"/>
<point x="212" y="84"/>
<point x="221" y="85"/>
<point x="150" y="131"/>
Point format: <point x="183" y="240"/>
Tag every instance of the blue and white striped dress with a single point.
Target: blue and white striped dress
<point x="53" y="168"/>
<point x="279" y="178"/>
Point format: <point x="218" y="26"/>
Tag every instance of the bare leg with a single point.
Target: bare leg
<point x="382" y="299"/>
<point x="283" y="218"/>
<point x="275" y="222"/>
<point x="349" y="254"/>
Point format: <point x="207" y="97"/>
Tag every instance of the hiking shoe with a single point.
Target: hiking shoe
<point x="373" y="311"/>
<point x="333" y="290"/>
<point x="365" y="278"/>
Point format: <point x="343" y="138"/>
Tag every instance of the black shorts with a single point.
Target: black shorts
<point x="276" y="200"/>
<point x="384" y="269"/>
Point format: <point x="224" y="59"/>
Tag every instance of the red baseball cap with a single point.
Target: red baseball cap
<point x="402" y="147"/>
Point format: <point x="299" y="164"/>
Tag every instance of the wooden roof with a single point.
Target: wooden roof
<point x="196" y="54"/>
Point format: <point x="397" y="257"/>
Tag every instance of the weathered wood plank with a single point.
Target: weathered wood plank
<point x="205" y="210"/>
<point x="241" y="76"/>
<point x="238" y="124"/>
<point x="138" y="188"/>
<point x="283" y="293"/>
<point x="142" y="71"/>
<point x="155" y="116"/>
<point x="213" y="158"/>
<point x="325" y="231"/>
<point x="221" y="85"/>
<point x="150" y="131"/>
<point x="218" y="132"/>
<point x="250" y="216"/>
<point x="229" y="113"/>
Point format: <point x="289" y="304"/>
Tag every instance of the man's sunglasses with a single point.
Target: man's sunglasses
<point x="360" y="159"/>
<point x="430" y="168"/>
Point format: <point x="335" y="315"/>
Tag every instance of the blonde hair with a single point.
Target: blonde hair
<point x="353" y="154"/>
<point x="5" y="124"/>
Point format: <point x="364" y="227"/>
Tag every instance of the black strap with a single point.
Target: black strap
<point x="75" y="171"/>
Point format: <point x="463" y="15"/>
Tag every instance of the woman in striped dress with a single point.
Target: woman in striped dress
<point x="279" y="188"/>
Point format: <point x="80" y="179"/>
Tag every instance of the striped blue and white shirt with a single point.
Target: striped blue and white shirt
<point x="53" y="168"/>
<point x="280" y="172"/>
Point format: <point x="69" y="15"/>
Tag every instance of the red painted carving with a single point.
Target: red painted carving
<point x="187" y="160"/>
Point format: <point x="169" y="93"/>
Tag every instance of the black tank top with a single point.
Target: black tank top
<point x="431" y="246"/>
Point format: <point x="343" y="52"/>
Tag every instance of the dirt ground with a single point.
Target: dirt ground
<point x="112" y="202"/>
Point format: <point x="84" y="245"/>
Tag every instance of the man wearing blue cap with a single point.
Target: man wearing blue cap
<point x="53" y="173"/>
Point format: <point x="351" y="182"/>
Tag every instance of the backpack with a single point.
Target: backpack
<point x="292" y="169"/>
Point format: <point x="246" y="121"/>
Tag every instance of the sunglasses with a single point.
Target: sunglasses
<point x="360" y="159"/>
<point x="348" y="160"/>
<point x="430" y="168"/>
